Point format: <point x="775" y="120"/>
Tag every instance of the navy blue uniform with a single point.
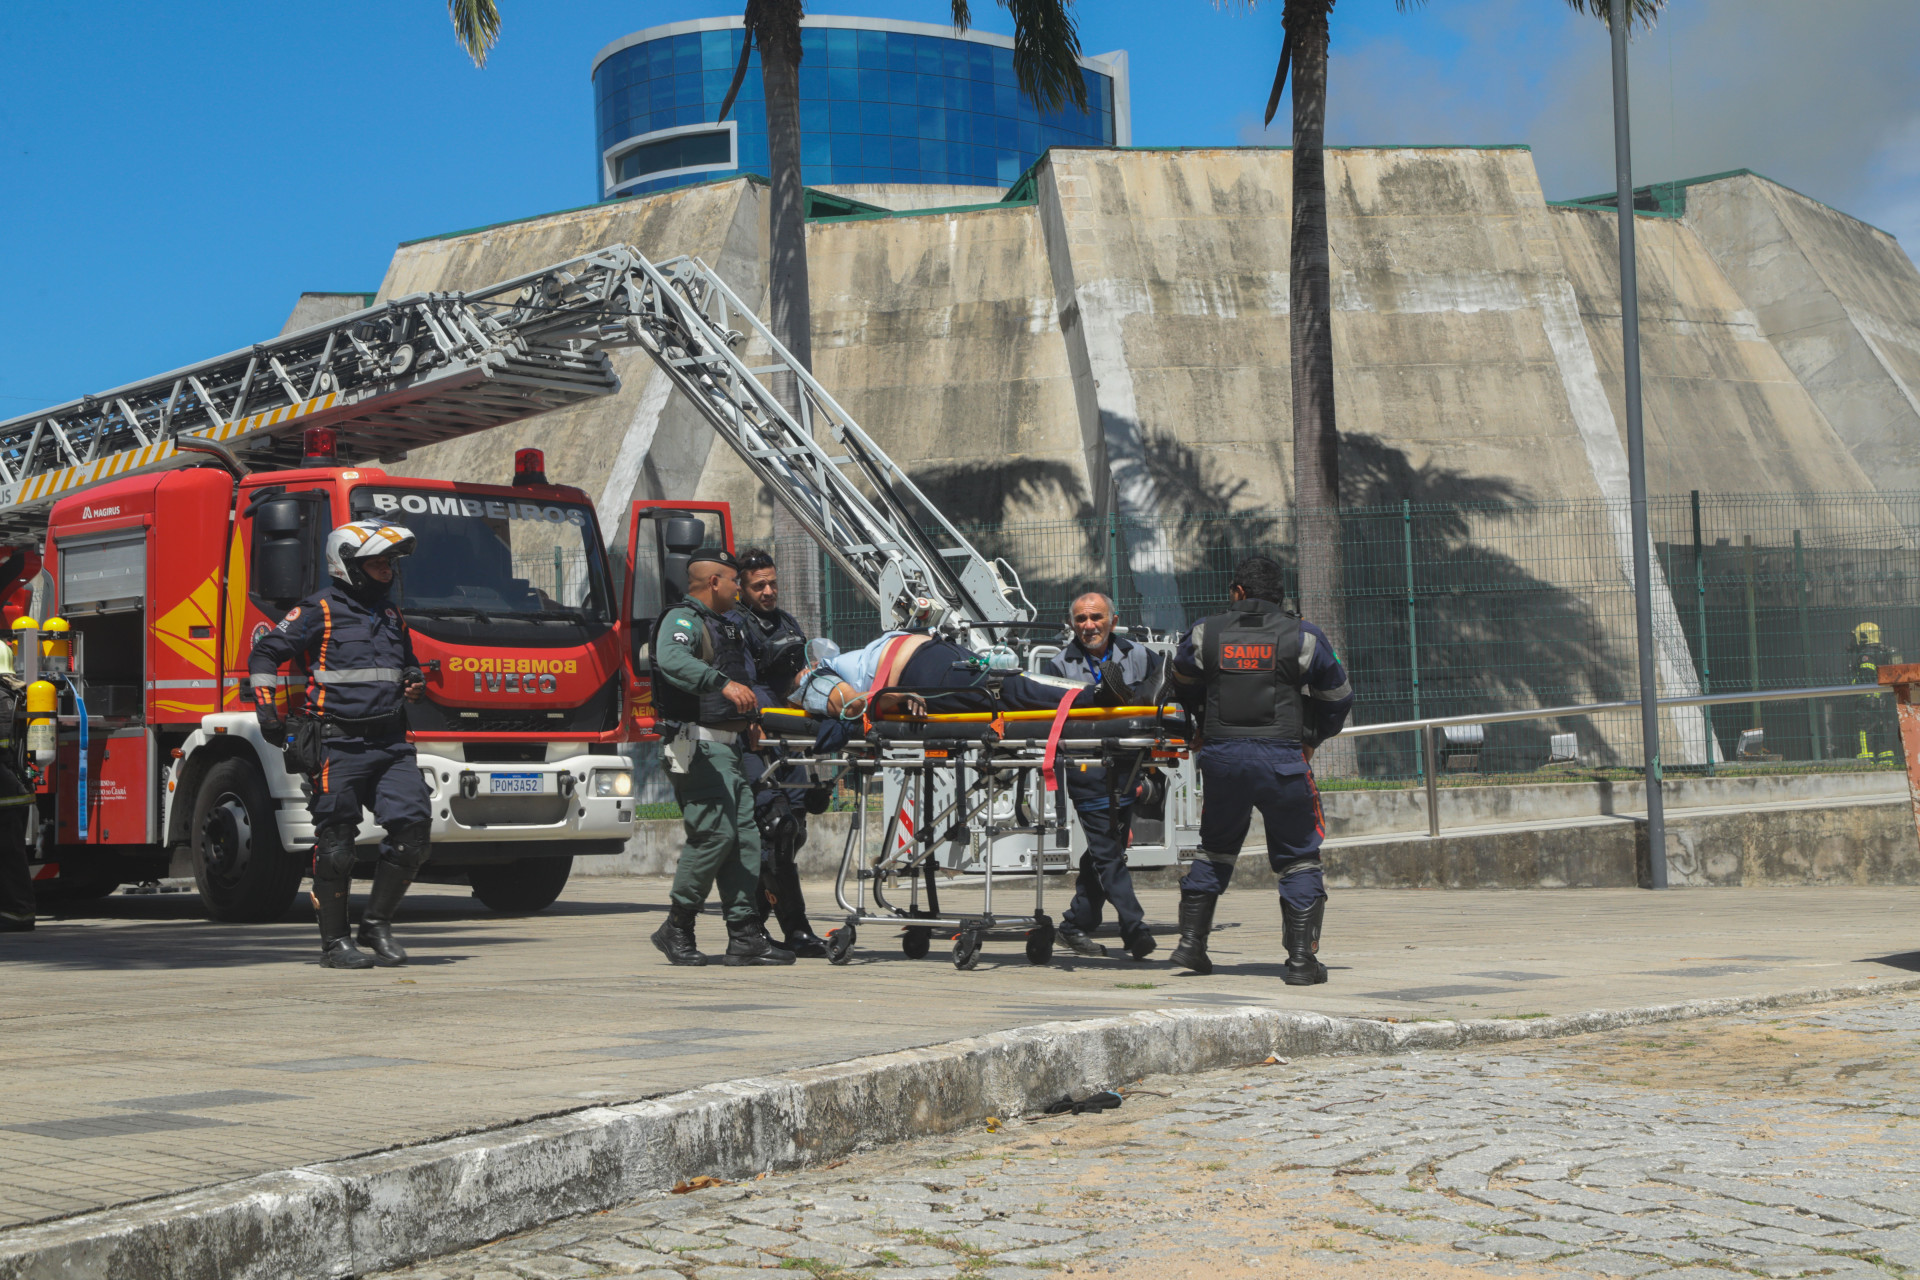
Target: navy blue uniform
<point x="1105" y="805"/>
<point x="1271" y="774"/>
<point x="356" y="655"/>
<point x="782" y="796"/>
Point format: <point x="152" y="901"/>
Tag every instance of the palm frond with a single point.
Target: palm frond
<point x="962" y="15"/>
<point x="739" y="75"/>
<point x="1279" y="81"/>
<point x="476" y="25"/>
<point x="1640" y="13"/>
<point x="1046" y="52"/>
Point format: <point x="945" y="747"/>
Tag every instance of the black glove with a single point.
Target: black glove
<point x="272" y="727"/>
<point x="819" y="798"/>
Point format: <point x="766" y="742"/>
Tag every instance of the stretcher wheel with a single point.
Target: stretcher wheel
<point x="916" y="943"/>
<point x="1040" y="942"/>
<point x="840" y="943"/>
<point x="966" y="949"/>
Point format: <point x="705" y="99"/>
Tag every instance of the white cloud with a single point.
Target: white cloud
<point x="1822" y="97"/>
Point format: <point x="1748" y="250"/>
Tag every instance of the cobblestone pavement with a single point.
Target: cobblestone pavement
<point x="1762" y="1146"/>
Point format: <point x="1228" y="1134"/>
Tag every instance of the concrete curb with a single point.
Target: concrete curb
<point x="370" y="1213"/>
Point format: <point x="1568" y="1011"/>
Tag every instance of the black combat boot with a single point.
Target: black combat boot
<point x="790" y="906"/>
<point x="336" y="948"/>
<point x="376" y="922"/>
<point x="1079" y="943"/>
<point x="674" y="937"/>
<point x="1300" y="927"/>
<point x="332" y="878"/>
<point x="747" y="944"/>
<point x="1141" y="945"/>
<point x="1196" y="922"/>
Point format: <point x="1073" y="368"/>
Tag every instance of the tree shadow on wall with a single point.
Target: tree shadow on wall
<point x="1485" y="631"/>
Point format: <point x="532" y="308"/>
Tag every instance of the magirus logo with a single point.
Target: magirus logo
<point x="94" y="513"/>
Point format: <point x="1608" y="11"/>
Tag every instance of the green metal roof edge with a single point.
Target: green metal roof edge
<point x="1681" y="185"/>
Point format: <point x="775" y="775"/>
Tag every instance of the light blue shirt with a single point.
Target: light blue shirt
<point x="859" y="669"/>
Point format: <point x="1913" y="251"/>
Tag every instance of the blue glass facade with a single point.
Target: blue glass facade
<point x="876" y="106"/>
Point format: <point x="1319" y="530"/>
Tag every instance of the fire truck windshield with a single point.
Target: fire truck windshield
<point x="485" y="558"/>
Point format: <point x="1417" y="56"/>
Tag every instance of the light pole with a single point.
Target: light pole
<point x="1637" y="456"/>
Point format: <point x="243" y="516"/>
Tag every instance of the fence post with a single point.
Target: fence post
<point x="559" y="576"/>
<point x="1706" y="664"/>
<point x="1433" y="783"/>
<point x="1753" y="637"/>
<point x="1806" y="647"/>
<point x="1113" y="555"/>
<point x="1413" y="633"/>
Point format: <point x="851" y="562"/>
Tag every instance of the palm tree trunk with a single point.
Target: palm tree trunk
<point x="1316" y="438"/>
<point x="791" y="310"/>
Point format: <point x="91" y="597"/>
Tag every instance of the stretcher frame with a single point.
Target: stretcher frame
<point x="964" y="795"/>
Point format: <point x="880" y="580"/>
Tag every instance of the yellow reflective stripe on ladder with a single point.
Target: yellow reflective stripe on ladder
<point x="59" y="481"/>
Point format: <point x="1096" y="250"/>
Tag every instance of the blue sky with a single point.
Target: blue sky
<point x="172" y="177"/>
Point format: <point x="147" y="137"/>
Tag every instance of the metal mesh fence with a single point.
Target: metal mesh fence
<point x="1510" y="604"/>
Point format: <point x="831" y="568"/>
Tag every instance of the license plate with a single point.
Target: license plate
<point x="515" y="784"/>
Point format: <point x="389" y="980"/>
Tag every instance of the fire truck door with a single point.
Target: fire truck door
<point x="661" y="541"/>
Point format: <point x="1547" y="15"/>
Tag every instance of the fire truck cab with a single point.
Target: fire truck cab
<point x="165" y="581"/>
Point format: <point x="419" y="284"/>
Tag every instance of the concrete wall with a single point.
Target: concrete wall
<point x="318" y="308"/>
<point x="1840" y="301"/>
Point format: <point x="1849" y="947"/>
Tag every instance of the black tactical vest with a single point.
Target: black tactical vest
<point x="1252" y="662"/>
<point x="725" y="650"/>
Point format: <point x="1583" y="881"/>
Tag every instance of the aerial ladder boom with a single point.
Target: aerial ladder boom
<point x="424" y="368"/>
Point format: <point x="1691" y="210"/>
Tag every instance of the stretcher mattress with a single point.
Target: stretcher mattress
<point x="1088" y="726"/>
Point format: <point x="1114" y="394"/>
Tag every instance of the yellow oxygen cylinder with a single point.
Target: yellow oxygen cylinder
<point x="53" y="639"/>
<point x="26" y="657"/>
<point x="42" y="699"/>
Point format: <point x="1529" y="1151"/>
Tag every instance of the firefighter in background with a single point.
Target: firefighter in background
<point x="776" y="652"/>
<point x="1266" y="688"/>
<point x="353" y="745"/>
<point x="17" y="904"/>
<point x="1872" y="717"/>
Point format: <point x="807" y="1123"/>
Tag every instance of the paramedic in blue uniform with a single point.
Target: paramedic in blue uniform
<point x="1105" y="804"/>
<point x="776" y="652"/>
<point x="1267" y="689"/>
<point x="359" y="661"/>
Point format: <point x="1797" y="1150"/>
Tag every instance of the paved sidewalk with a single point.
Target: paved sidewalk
<point x="1762" y="1145"/>
<point x="147" y="1051"/>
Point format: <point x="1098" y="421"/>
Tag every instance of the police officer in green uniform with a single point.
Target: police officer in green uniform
<point x="708" y="718"/>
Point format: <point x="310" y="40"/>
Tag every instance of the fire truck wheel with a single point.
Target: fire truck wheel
<point x="520" y="887"/>
<point x="243" y="874"/>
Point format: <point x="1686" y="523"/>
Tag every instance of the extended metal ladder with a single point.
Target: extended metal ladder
<point x="430" y="367"/>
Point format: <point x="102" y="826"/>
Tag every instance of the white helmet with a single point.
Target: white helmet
<point x="351" y="544"/>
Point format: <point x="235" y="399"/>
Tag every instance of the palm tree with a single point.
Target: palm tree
<point x="1046" y="53"/>
<point x="1316" y="436"/>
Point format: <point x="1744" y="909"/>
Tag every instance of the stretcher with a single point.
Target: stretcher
<point x="980" y="797"/>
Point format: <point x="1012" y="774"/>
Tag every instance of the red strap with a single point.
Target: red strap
<point x="1053" y="739"/>
<point x="886" y="660"/>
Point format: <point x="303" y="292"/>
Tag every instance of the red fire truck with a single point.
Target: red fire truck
<point x="165" y="580"/>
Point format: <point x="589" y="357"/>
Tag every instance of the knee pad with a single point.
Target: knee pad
<point x="408" y="844"/>
<point x="333" y="854"/>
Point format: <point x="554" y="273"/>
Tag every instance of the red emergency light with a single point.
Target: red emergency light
<point x="529" y="468"/>
<point x="319" y="446"/>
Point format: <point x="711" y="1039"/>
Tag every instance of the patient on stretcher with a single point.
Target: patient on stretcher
<point x="912" y="673"/>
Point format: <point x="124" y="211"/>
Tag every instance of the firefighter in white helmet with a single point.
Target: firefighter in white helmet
<point x="351" y="740"/>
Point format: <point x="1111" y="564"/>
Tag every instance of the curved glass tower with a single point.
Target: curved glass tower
<point x="880" y="102"/>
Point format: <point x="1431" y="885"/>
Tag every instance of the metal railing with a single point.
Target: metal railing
<point x="1427" y="726"/>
